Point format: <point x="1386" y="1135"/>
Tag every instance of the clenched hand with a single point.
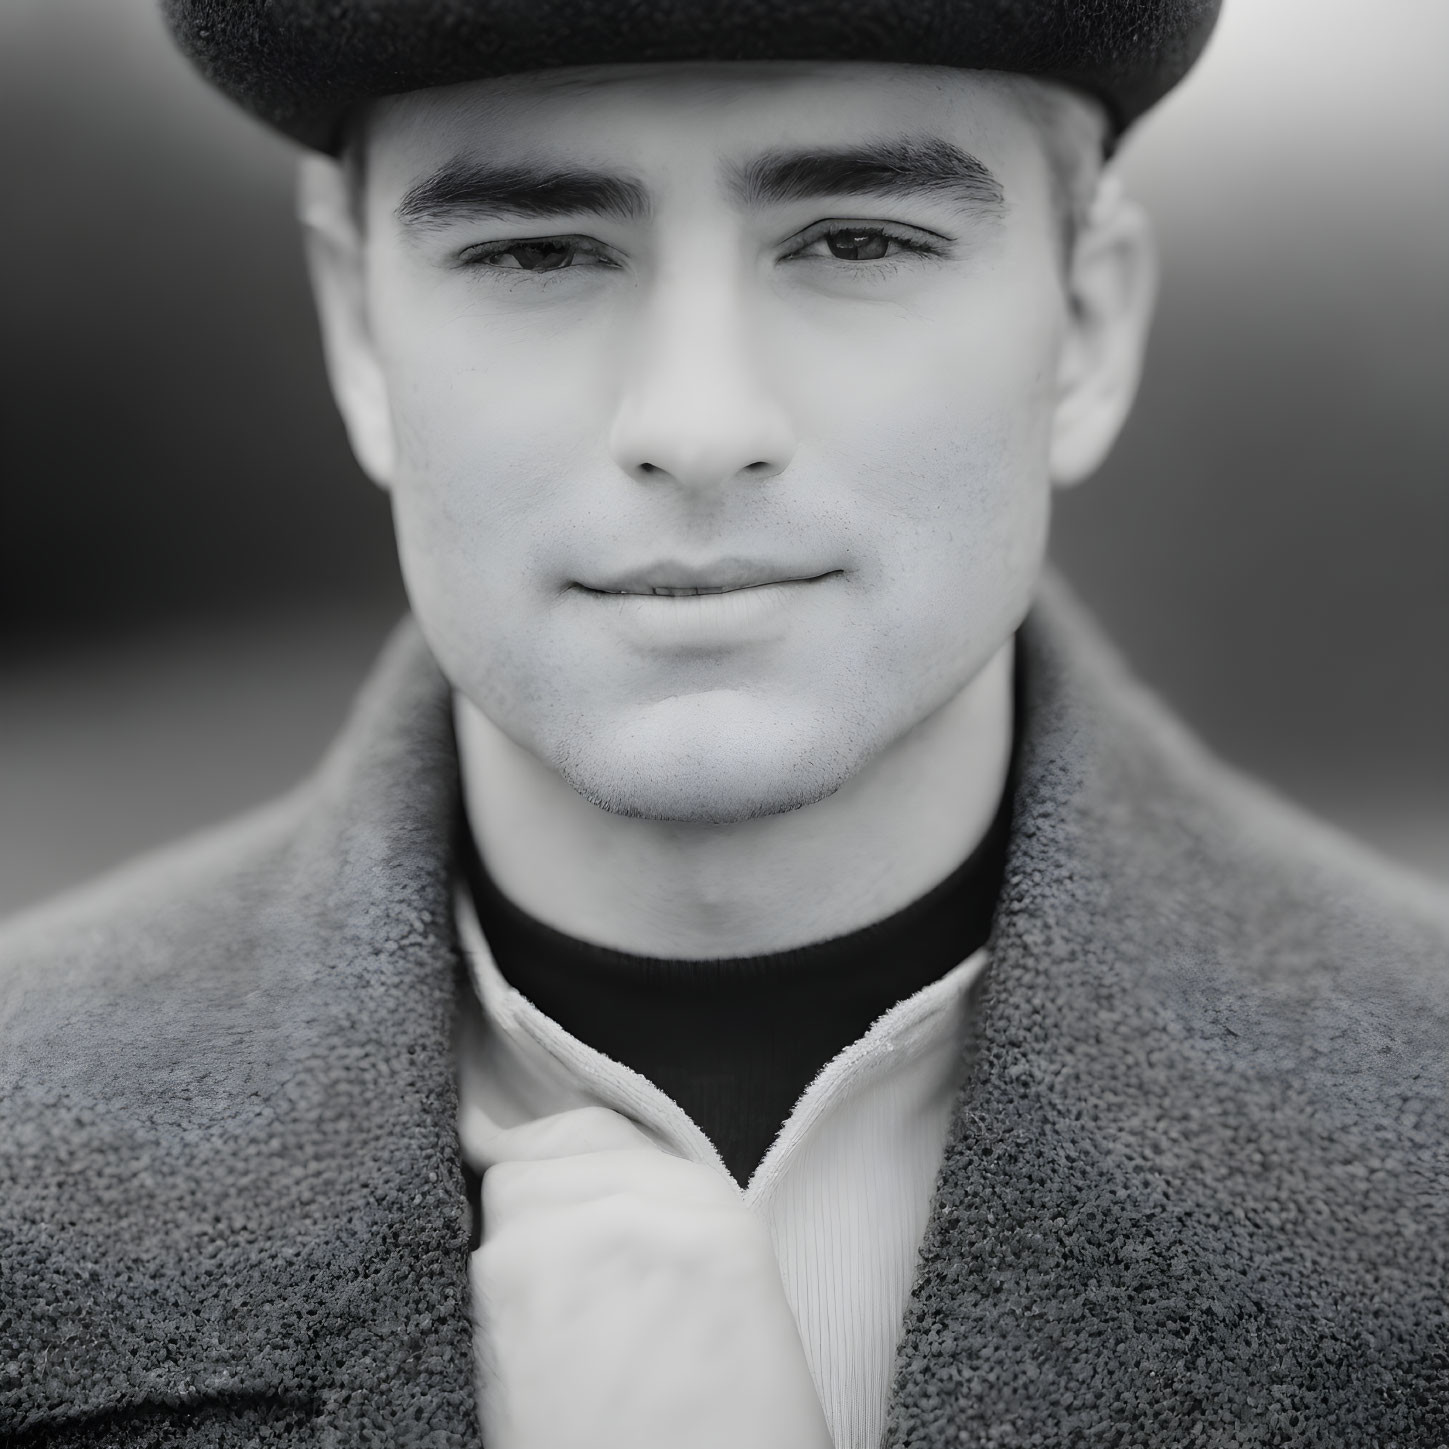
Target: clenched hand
<point x="627" y="1299"/>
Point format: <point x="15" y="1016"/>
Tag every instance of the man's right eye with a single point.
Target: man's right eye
<point x="545" y="254"/>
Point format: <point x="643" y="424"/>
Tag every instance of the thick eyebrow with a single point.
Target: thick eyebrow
<point x="462" y="189"/>
<point x="898" y="168"/>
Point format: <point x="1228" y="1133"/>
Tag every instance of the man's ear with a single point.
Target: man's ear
<point x="1111" y="287"/>
<point x="336" y="263"/>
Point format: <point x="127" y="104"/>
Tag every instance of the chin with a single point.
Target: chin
<point x="709" y="759"/>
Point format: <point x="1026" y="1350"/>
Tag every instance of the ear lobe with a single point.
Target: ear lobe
<point x="335" y="263"/>
<point x="1111" y="289"/>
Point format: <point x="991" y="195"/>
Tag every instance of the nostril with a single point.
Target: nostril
<point x="693" y="471"/>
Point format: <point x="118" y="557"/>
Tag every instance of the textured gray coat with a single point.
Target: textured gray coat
<point x="1195" y="1192"/>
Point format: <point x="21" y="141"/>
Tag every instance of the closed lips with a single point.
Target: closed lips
<point x="646" y="587"/>
<point x="681" y="591"/>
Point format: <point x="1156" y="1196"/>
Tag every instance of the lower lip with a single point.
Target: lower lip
<point x="753" y="615"/>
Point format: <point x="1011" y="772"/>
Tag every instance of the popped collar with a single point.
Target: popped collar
<point x="844" y="1190"/>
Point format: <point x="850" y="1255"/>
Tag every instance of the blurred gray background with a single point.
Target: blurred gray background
<point x="195" y="575"/>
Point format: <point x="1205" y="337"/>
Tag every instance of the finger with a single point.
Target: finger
<point x="522" y="1189"/>
<point x="564" y="1134"/>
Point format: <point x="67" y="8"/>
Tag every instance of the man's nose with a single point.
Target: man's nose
<point x="697" y="404"/>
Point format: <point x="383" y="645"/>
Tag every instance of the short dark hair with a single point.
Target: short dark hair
<point x="352" y="157"/>
<point x="1074" y="129"/>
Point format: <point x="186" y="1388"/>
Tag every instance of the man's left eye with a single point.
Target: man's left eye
<point x="858" y="246"/>
<point x="863" y="244"/>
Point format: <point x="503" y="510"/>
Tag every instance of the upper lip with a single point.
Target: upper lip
<point x="670" y="575"/>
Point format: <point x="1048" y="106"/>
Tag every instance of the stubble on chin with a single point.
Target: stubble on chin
<point x="713" y="776"/>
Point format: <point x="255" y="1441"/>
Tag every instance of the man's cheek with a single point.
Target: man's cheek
<point x="471" y="477"/>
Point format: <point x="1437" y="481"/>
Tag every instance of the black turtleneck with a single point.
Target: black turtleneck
<point x="736" y="1041"/>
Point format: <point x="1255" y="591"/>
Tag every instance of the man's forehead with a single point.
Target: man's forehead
<point x="594" y="113"/>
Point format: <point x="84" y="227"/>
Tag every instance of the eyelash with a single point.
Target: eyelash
<point x="479" y="256"/>
<point x="912" y="242"/>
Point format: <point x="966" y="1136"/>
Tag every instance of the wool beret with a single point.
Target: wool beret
<point x="302" y="65"/>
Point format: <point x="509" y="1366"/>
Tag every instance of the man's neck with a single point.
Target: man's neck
<point x="687" y="890"/>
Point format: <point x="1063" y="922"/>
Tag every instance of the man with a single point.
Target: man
<point x="869" y="1017"/>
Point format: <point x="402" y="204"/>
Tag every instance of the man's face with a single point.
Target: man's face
<point x="787" y="331"/>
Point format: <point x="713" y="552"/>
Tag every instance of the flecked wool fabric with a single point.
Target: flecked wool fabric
<point x="302" y="65"/>
<point x="1196" y="1189"/>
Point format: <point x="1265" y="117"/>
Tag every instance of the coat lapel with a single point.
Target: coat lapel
<point x="236" y="1201"/>
<point x="1151" y="1224"/>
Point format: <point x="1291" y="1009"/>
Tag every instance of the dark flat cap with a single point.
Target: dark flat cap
<point x="301" y="65"/>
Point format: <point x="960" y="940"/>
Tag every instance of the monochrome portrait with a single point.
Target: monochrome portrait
<point x="723" y="725"/>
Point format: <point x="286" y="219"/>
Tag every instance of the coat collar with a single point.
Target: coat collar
<point x="232" y="1170"/>
<point x="1152" y="1217"/>
<point x="228" y="1164"/>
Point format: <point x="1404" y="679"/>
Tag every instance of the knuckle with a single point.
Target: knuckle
<point x="700" y="1185"/>
<point x="683" y="1236"/>
<point x="595" y="1129"/>
<point x="597" y="1118"/>
<point x="503" y="1186"/>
